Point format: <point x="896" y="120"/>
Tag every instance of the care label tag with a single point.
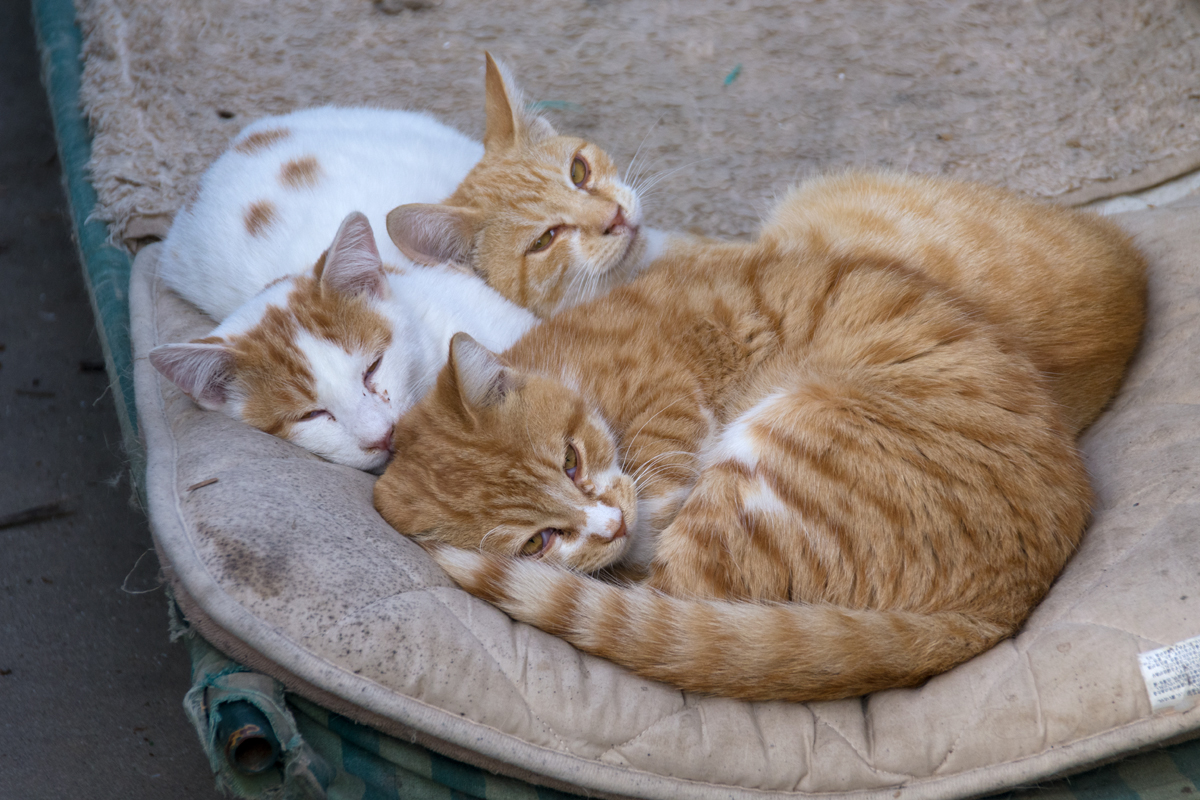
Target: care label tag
<point x="1172" y="675"/>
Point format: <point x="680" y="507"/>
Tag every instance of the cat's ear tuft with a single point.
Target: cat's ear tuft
<point x="508" y="120"/>
<point x="433" y="234"/>
<point x="204" y="371"/>
<point x="352" y="263"/>
<point x="481" y="378"/>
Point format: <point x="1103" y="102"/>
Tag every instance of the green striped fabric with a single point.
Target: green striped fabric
<point x="1166" y="774"/>
<point x="371" y="766"/>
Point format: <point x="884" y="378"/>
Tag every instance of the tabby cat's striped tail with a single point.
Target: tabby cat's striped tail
<point x="752" y="651"/>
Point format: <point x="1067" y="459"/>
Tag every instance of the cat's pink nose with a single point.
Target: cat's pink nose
<point x="386" y="442"/>
<point x="618" y="223"/>
<point x="617" y="529"/>
<point x="621" y="531"/>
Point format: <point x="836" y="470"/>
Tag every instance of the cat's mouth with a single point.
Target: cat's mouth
<point x="620" y="226"/>
<point x="623" y="264"/>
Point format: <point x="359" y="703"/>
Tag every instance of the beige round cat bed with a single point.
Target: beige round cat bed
<point x="278" y="559"/>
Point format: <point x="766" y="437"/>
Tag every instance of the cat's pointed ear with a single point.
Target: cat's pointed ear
<point x="481" y="379"/>
<point x="352" y="264"/>
<point x="432" y="234"/>
<point x="203" y="370"/>
<point x="508" y="121"/>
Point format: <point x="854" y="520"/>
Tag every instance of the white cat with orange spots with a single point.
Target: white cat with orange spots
<point x="246" y="252"/>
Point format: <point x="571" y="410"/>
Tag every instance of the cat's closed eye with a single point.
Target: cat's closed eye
<point x="316" y="413"/>
<point x="371" y="369"/>
<point x="580" y="171"/>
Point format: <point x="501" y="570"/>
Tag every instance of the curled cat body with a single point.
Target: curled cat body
<point x="246" y="251"/>
<point x="839" y="458"/>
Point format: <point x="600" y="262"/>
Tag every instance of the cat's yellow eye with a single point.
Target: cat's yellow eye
<point x="571" y="462"/>
<point x="538" y="543"/>
<point x="543" y="241"/>
<point x="579" y="171"/>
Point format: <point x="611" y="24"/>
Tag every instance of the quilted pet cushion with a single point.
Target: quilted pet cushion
<point x="279" y="559"/>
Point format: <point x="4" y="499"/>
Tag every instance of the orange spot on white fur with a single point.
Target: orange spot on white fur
<point x="259" y="216"/>
<point x="300" y="172"/>
<point x="261" y="140"/>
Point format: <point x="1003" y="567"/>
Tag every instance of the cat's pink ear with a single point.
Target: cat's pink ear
<point x="482" y="380"/>
<point x="352" y="263"/>
<point x="204" y="371"/>
<point x="508" y="121"/>
<point x="433" y="234"/>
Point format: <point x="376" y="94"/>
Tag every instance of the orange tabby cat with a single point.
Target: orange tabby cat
<point x="838" y="473"/>
<point x="545" y="219"/>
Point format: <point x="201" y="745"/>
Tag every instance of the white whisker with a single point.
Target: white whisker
<point x="629" y="169"/>
<point x="629" y="446"/>
<point x="660" y="176"/>
<point x="486" y="535"/>
<point x="660" y="457"/>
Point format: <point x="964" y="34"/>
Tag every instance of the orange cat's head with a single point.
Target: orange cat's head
<point x="320" y="359"/>
<point x="545" y="219"/>
<point x="510" y="462"/>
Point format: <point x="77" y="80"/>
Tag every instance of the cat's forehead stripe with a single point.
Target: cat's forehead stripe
<point x="276" y="376"/>
<point x="349" y="322"/>
<point x="261" y="140"/>
<point x="518" y="178"/>
<point x="578" y="416"/>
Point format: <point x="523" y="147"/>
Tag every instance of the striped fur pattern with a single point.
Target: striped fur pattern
<point x="1068" y="284"/>
<point x="839" y="466"/>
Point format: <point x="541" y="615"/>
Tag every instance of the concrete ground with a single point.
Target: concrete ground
<point x="90" y="686"/>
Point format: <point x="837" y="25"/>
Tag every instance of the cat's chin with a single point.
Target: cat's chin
<point x="617" y="555"/>
<point x="627" y="264"/>
<point x="607" y="558"/>
<point x="634" y="248"/>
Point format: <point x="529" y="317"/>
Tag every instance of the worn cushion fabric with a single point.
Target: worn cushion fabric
<point x="283" y="562"/>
